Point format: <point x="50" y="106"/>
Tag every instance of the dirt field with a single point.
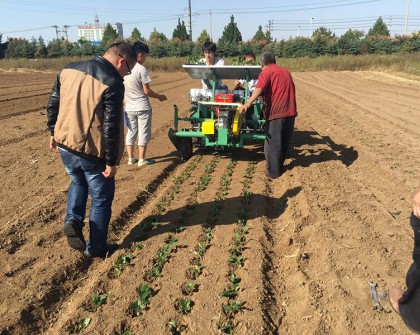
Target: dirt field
<point x="309" y="241"/>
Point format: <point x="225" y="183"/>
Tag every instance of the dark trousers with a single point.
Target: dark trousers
<point x="86" y="178"/>
<point x="278" y="133"/>
<point x="409" y="304"/>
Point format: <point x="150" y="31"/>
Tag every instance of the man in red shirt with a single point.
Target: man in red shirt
<point x="275" y="85"/>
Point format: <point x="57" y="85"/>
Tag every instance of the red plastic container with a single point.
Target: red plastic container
<point x="223" y="97"/>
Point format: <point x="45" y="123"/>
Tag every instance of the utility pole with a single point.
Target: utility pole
<point x="211" y="29"/>
<point x="269" y="30"/>
<point x="406" y="16"/>
<point x="189" y="14"/>
<point x="298" y="31"/>
<point x="65" y="31"/>
<point x="56" y="30"/>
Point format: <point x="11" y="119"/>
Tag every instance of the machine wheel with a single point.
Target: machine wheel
<point x="185" y="148"/>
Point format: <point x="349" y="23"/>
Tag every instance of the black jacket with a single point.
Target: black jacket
<point x="85" y="110"/>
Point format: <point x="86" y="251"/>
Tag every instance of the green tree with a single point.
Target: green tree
<point x="350" y="42"/>
<point x="324" y="41"/>
<point x="3" y="47"/>
<point x="136" y="36"/>
<point x="180" y="32"/>
<point x="298" y="47"/>
<point x="379" y="28"/>
<point x="157" y="37"/>
<point x="19" y="48"/>
<point x="382" y="45"/>
<point x="109" y="36"/>
<point x="159" y="49"/>
<point x="204" y="37"/>
<point x="231" y="34"/>
<point x="55" y="48"/>
<point x="85" y="48"/>
<point x="260" y="36"/>
<point x="41" y="48"/>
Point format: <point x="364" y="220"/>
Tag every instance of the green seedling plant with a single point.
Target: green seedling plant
<point x="184" y="306"/>
<point x="139" y="246"/>
<point x="200" y="250"/>
<point x="237" y="260"/>
<point x="121" y="262"/>
<point x="233" y="308"/>
<point x="246" y="197"/>
<point x="141" y="303"/>
<point x="195" y="271"/>
<point x="209" y="235"/>
<point x="234" y="279"/>
<point x="227" y="328"/>
<point x="231" y="293"/>
<point x="234" y="252"/>
<point x="241" y="222"/>
<point x="189" y="288"/>
<point x="180" y="229"/>
<point x="240" y="238"/>
<point x="176" y="328"/>
<point x="84" y="324"/>
<point x="98" y="300"/>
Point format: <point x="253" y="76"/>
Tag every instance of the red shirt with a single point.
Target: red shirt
<point x="278" y="92"/>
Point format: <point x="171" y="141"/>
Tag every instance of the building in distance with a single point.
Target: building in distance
<point x="94" y="32"/>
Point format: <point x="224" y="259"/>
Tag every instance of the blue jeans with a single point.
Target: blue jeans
<point x="87" y="179"/>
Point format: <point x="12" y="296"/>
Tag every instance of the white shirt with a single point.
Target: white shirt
<point x="135" y="97"/>
<point x="207" y="83"/>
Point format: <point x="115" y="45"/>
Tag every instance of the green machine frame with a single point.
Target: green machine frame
<point x="218" y="124"/>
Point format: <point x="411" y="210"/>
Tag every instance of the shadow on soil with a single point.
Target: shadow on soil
<point x="306" y="151"/>
<point x="228" y="212"/>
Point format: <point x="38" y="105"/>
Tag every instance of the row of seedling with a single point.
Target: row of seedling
<point x="152" y="222"/>
<point x="162" y="256"/>
<point x="156" y="266"/>
<point x="184" y="305"/>
<point x="236" y="259"/>
<point x="204" y="182"/>
<point x="178" y="181"/>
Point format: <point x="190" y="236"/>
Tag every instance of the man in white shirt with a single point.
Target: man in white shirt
<point x="209" y="51"/>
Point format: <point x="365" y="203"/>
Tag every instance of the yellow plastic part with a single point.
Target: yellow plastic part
<point x="237" y="123"/>
<point x="207" y="127"/>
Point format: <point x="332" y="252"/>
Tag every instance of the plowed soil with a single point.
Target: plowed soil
<point x="309" y="241"/>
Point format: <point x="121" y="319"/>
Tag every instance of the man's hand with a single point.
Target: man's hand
<point x="416" y="203"/>
<point x="53" y="144"/>
<point x="110" y="171"/>
<point x="162" y="97"/>
<point x="242" y="109"/>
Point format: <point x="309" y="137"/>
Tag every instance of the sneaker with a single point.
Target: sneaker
<point x="74" y="235"/>
<point x="132" y="161"/>
<point x="146" y="162"/>
<point x="109" y="250"/>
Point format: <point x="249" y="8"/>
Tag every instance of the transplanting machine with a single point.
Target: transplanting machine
<point x="214" y="119"/>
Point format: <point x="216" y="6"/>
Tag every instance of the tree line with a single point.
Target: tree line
<point x="322" y="42"/>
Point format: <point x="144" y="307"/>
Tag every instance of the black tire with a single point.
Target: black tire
<point x="185" y="148"/>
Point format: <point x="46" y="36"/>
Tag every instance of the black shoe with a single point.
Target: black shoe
<point x="109" y="250"/>
<point x="74" y="235"/>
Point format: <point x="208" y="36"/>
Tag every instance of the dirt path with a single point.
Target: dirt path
<point x="309" y="241"/>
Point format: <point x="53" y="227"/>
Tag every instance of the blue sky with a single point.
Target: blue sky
<point x="27" y="18"/>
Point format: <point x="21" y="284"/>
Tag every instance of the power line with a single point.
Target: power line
<point x="293" y="8"/>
